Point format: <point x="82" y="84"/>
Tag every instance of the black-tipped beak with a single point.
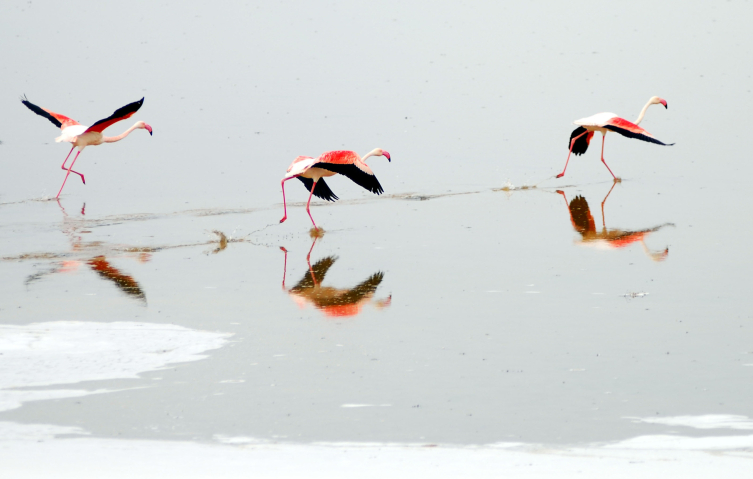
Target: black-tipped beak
<point x="389" y="158"/>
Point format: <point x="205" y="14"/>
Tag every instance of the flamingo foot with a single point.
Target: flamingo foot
<point x="560" y="175"/>
<point x="284" y="218"/>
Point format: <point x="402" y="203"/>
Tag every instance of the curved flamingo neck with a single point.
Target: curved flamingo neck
<point x="371" y="153"/>
<point x="643" y="112"/>
<point x="113" y="139"/>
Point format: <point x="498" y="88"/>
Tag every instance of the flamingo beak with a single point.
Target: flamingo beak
<point x="384" y="153"/>
<point x="148" y="128"/>
<point x="663" y="102"/>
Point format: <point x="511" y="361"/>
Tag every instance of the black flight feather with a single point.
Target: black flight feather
<point x="120" y="113"/>
<point x="357" y="175"/>
<point x="637" y="136"/>
<point x="40" y="112"/>
<point x="321" y="190"/>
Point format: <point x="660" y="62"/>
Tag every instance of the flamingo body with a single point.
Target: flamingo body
<point x="69" y="134"/>
<point x="82" y="136"/>
<point x="310" y="172"/>
<point x="580" y="138"/>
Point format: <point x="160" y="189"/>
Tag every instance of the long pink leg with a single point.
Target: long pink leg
<point x="284" y="205"/>
<point x="308" y="204"/>
<point x="66" y="175"/>
<point x="603" y="137"/>
<point x="66" y="159"/>
<point x="572" y="143"/>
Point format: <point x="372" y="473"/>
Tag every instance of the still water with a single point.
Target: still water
<point x="478" y="301"/>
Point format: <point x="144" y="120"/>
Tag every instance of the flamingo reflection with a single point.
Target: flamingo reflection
<point x="583" y="222"/>
<point x="333" y="302"/>
<point x="75" y="229"/>
<point x="123" y="281"/>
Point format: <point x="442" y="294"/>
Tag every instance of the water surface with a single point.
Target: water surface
<point x="459" y="307"/>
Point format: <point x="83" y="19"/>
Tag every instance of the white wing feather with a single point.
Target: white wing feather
<point x="70" y="133"/>
<point x="300" y="167"/>
<point x="599" y="119"/>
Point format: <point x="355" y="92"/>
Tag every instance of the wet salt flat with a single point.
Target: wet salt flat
<point x="480" y="318"/>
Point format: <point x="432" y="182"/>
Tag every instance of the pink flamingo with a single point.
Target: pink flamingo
<point x="603" y="122"/>
<point x="311" y="171"/>
<point x="82" y="136"/>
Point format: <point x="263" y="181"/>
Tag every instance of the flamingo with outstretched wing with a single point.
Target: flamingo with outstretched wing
<point x="347" y="163"/>
<point x="604" y="122"/>
<point x="82" y="136"/>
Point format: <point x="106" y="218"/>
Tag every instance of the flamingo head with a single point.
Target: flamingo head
<point x="658" y="101"/>
<point x="381" y="152"/>
<point x="144" y="126"/>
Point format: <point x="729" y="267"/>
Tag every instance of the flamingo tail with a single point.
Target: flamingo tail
<point x="581" y="144"/>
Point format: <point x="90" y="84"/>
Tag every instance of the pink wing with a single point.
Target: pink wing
<point x="631" y="130"/>
<point x="340" y="157"/>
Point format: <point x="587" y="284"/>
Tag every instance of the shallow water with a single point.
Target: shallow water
<point x="478" y="301"/>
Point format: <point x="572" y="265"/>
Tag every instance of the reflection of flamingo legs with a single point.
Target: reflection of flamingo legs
<point x="61" y="207"/>
<point x="308" y="260"/>
<point x="564" y="196"/>
<point x="308" y="256"/>
<point x="603" y="223"/>
<point x="284" y="266"/>
<point x="83" y="208"/>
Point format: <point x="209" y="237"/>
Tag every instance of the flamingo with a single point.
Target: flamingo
<point x="580" y="138"/>
<point x="82" y="136"/>
<point x="311" y="171"/>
